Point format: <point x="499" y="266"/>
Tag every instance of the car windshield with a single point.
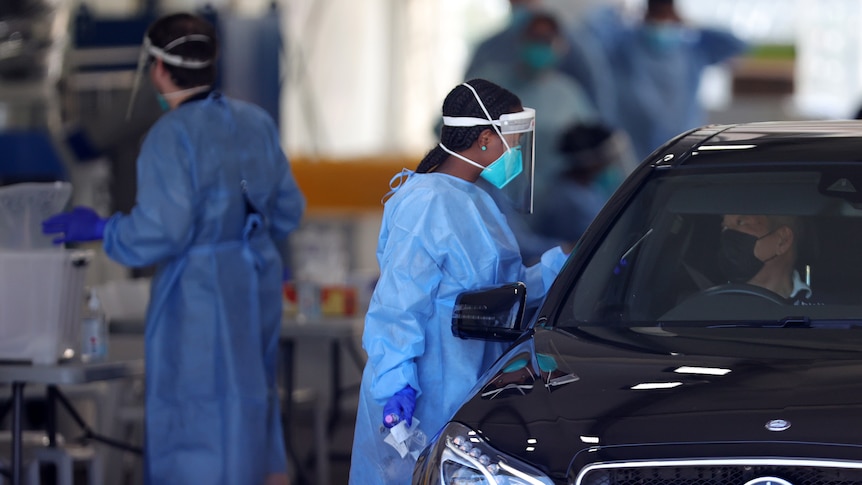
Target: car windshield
<point x="707" y="247"/>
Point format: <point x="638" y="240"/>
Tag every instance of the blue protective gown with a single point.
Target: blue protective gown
<point x="583" y="61"/>
<point x="215" y="196"/>
<point x="572" y="210"/>
<point x="440" y="236"/>
<point x="657" y="86"/>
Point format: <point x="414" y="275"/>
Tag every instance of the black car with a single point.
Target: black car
<point x="653" y="360"/>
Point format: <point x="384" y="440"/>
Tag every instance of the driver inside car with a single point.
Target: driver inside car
<point x="761" y="250"/>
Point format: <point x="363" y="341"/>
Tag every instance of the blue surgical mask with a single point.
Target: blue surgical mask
<point x="502" y="170"/>
<point x="163" y="102"/>
<point x="539" y="56"/>
<point x="663" y="37"/>
<point x="499" y="172"/>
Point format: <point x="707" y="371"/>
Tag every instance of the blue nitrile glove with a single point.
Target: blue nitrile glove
<point x="82" y="224"/>
<point x="400" y="407"/>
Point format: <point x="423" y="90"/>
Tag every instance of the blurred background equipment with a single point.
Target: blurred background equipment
<point x="33" y="39"/>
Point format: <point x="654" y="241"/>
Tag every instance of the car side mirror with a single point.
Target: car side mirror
<point x="490" y="314"/>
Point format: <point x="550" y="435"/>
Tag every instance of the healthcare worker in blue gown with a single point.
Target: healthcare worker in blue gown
<point x="441" y="235"/>
<point x="216" y="197"/>
<point x="580" y="58"/>
<point x="657" y="67"/>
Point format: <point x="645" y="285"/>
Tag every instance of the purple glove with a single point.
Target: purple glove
<point x="82" y="224"/>
<point x="400" y="407"/>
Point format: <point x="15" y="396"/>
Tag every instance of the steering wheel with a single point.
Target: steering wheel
<point x="747" y="290"/>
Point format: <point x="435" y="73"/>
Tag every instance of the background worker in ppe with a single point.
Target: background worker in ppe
<point x="531" y="74"/>
<point x="441" y="235"/>
<point x="657" y="66"/>
<point x="581" y="60"/>
<point x="216" y="197"/>
<point x="590" y="150"/>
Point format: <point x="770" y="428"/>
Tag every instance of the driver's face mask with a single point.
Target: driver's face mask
<point x="737" y="258"/>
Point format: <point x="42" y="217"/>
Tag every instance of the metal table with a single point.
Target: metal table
<point x="18" y="375"/>
<point x="338" y="333"/>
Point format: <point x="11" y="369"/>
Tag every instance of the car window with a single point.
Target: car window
<point x="664" y="257"/>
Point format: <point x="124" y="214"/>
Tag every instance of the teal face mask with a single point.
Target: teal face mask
<point x="539" y="56"/>
<point x="164" y="97"/>
<point x="504" y="169"/>
<point x="663" y="37"/>
<point x="163" y="103"/>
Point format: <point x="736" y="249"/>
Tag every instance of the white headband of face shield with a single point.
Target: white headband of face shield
<point x="173" y="59"/>
<point x="521" y="122"/>
<point x="148" y="49"/>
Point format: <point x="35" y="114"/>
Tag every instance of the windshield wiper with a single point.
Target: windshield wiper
<point x="635" y="245"/>
<point x="623" y="262"/>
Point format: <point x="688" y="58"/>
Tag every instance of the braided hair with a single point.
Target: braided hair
<point x="171" y="27"/>
<point x="461" y="102"/>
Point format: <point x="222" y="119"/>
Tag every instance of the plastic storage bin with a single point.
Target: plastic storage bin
<point x="41" y="292"/>
<point x="23" y="207"/>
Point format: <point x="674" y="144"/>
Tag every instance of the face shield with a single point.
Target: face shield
<point x="148" y="50"/>
<point x="517" y="130"/>
<point x="512" y="174"/>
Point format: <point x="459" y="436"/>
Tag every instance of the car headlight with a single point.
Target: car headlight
<point x="461" y="457"/>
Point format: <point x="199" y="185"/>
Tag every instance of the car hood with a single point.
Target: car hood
<point x="637" y="392"/>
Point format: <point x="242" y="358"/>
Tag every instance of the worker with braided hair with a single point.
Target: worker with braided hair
<point x="442" y="235"/>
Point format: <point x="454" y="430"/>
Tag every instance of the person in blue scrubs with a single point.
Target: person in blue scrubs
<point x="531" y="73"/>
<point x="216" y="199"/>
<point x="580" y="58"/>
<point x="442" y="235"/>
<point x="657" y="67"/>
<point x="591" y="151"/>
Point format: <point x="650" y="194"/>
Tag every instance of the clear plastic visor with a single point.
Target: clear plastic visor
<point x="519" y="191"/>
<point x="517" y="130"/>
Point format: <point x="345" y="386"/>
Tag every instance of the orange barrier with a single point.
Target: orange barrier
<point x="347" y="185"/>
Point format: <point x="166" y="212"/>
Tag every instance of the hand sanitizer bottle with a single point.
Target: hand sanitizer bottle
<point x="94" y="330"/>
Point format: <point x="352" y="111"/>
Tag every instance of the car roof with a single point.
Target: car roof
<point x="764" y="143"/>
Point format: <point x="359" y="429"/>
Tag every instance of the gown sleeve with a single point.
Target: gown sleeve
<point x="159" y="225"/>
<point x="289" y="200"/>
<point x="718" y="46"/>
<point x="402" y="303"/>
<point x="541" y="275"/>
